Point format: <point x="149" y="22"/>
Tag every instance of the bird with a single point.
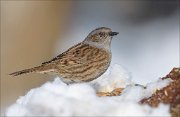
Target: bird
<point x="82" y="62"/>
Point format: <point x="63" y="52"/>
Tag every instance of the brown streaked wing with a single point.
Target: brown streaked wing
<point x="62" y="54"/>
<point x="78" y="55"/>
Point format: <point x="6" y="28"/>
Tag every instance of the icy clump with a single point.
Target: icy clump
<point x="58" y="99"/>
<point x="114" y="77"/>
<point x="136" y="93"/>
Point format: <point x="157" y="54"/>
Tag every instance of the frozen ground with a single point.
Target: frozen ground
<point x="58" y="99"/>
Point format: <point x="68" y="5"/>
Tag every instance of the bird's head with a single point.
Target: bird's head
<point x="100" y="37"/>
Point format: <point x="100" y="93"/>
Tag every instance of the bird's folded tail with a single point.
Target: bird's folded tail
<point x="39" y="69"/>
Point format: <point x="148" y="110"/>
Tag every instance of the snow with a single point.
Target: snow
<point x="115" y="77"/>
<point x="58" y="99"/>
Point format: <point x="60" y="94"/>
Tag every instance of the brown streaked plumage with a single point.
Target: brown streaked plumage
<point x="83" y="62"/>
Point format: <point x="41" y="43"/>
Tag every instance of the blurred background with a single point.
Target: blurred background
<point x="36" y="31"/>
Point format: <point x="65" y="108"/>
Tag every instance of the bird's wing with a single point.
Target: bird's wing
<point x="74" y="55"/>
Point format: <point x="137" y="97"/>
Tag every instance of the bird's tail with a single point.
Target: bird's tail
<point x="38" y="69"/>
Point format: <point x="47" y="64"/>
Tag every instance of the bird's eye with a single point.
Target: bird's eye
<point x="101" y="34"/>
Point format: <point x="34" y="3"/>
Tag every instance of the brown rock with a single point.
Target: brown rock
<point x="168" y="95"/>
<point x="115" y="92"/>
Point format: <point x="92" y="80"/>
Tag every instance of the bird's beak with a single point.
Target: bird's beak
<point x="113" y="33"/>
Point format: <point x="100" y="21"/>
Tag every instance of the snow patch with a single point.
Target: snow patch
<point x="58" y="99"/>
